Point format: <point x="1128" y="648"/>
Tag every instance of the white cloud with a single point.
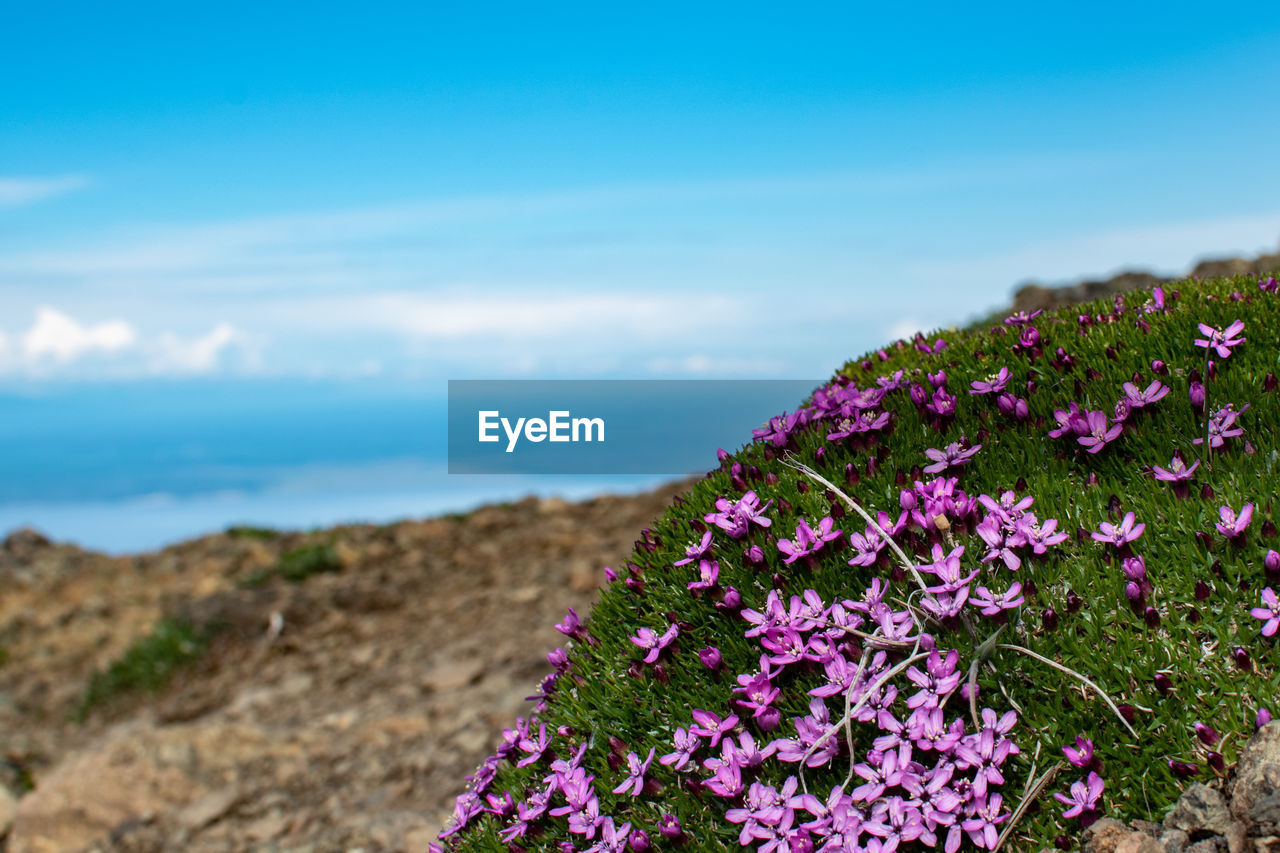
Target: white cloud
<point x="515" y="315"/>
<point x="19" y="191"/>
<point x="194" y="355"/>
<point x="58" y="344"/>
<point x="58" y="337"/>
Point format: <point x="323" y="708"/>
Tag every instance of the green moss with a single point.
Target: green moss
<point x="297" y="565"/>
<point x="1103" y="639"/>
<point x="242" y="531"/>
<point x="146" y="666"/>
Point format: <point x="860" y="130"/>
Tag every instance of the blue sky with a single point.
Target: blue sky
<point x="413" y="192"/>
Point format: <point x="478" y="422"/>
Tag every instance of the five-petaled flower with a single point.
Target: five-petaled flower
<point x="635" y="773"/>
<point x="1233" y="524"/>
<point x="951" y="456"/>
<point x="1120" y="534"/>
<point x="1100" y="433"/>
<point x="654" y="643"/>
<point x="1177" y="472"/>
<point x="1221" y="342"/>
<point x="1083" y="801"/>
<point x="1269" y="612"/>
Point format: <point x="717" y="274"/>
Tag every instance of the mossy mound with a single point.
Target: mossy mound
<point x="774" y="670"/>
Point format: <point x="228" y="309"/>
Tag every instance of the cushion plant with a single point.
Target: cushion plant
<point x="976" y="591"/>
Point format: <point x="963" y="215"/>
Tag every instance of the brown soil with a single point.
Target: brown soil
<point x="338" y="713"/>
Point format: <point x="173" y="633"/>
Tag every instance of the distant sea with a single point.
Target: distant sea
<point x="127" y="467"/>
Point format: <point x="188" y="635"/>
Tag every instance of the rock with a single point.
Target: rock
<point x="1103" y="835"/>
<point x="1174" y="840"/>
<point x="1257" y="771"/>
<point x="1199" y="809"/>
<point x="1265" y="814"/>
<point x="208" y="808"/>
<point x="1138" y="842"/>
<point x="1236" y="836"/>
<point x="71" y="807"/>
<point x="1208" y="845"/>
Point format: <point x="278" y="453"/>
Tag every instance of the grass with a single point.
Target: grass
<point x="244" y="531"/>
<point x="298" y="565"/>
<point x="1096" y="632"/>
<point x="146" y="666"/>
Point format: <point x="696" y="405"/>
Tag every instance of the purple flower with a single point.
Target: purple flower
<point x="993" y="384"/>
<point x="708" y="574"/>
<point x="1100" y="434"/>
<point x="1084" y="797"/>
<point x="1232" y="525"/>
<point x="1177" y="472"/>
<point x="711" y="658"/>
<point x="1269" y="285"/>
<point x="942" y="404"/>
<point x="1269" y="612"/>
<point x="1221" y="342"/>
<point x="635" y="775"/>
<point x="992" y="604"/>
<point x="808" y="540"/>
<point x="710" y="725"/>
<point x="653" y="643"/>
<point x="1022" y="318"/>
<point x="736" y="517"/>
<point x="696" y="550"/>
<point x="1137" y="399"/>
<point x="1081" y="755"/>
<point x="986" y="817"/>
<point x="952" y="456"/>
<point x="571" y="626"/>
<point x="1222" y="425"/>
<point x="685" y="743"/>
<point x="1119" y="535"/>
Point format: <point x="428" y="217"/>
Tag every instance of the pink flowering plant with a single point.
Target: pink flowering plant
<point x="980" y="589"/>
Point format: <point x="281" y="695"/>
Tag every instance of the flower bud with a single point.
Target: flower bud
<point x="711" y="658"/>
<point x="1049" y="619"/>
<point x="1159" y="368"/>
<point x="732" y="600"/>
<point x="669" y="828"/>
<point x="1269" y="382"/>
<point x="1263" y="718"/>
<point x="1203" y="591"/>
<point x="639" y="841"/>
<point x="769" y="719"/>
<point x="1133" y="592"/>
<point x="1182" y="769"/>
<point x="1217" y="762"/>
<point x="1134" y="568"/>
<point x="1272" y="562"/>
<point x="1196" y="394"/>
<point x="1163" y="683"/>
<point x="1152" y="617"/>
<point x="1208" y="736"/>
<point x="1242" y="659"/>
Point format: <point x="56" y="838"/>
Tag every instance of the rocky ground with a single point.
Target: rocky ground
<point x="1238" y="814"/>
<point x="340" y="713"/>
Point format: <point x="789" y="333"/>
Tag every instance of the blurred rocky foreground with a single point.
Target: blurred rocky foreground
<point x="338" y="713"/>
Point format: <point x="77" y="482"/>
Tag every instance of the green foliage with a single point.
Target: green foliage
<point x="1101" y="638"/>
<point x="298" y="565"/>
<point x="147" y="664"/>
<point x="244" y="531"/>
